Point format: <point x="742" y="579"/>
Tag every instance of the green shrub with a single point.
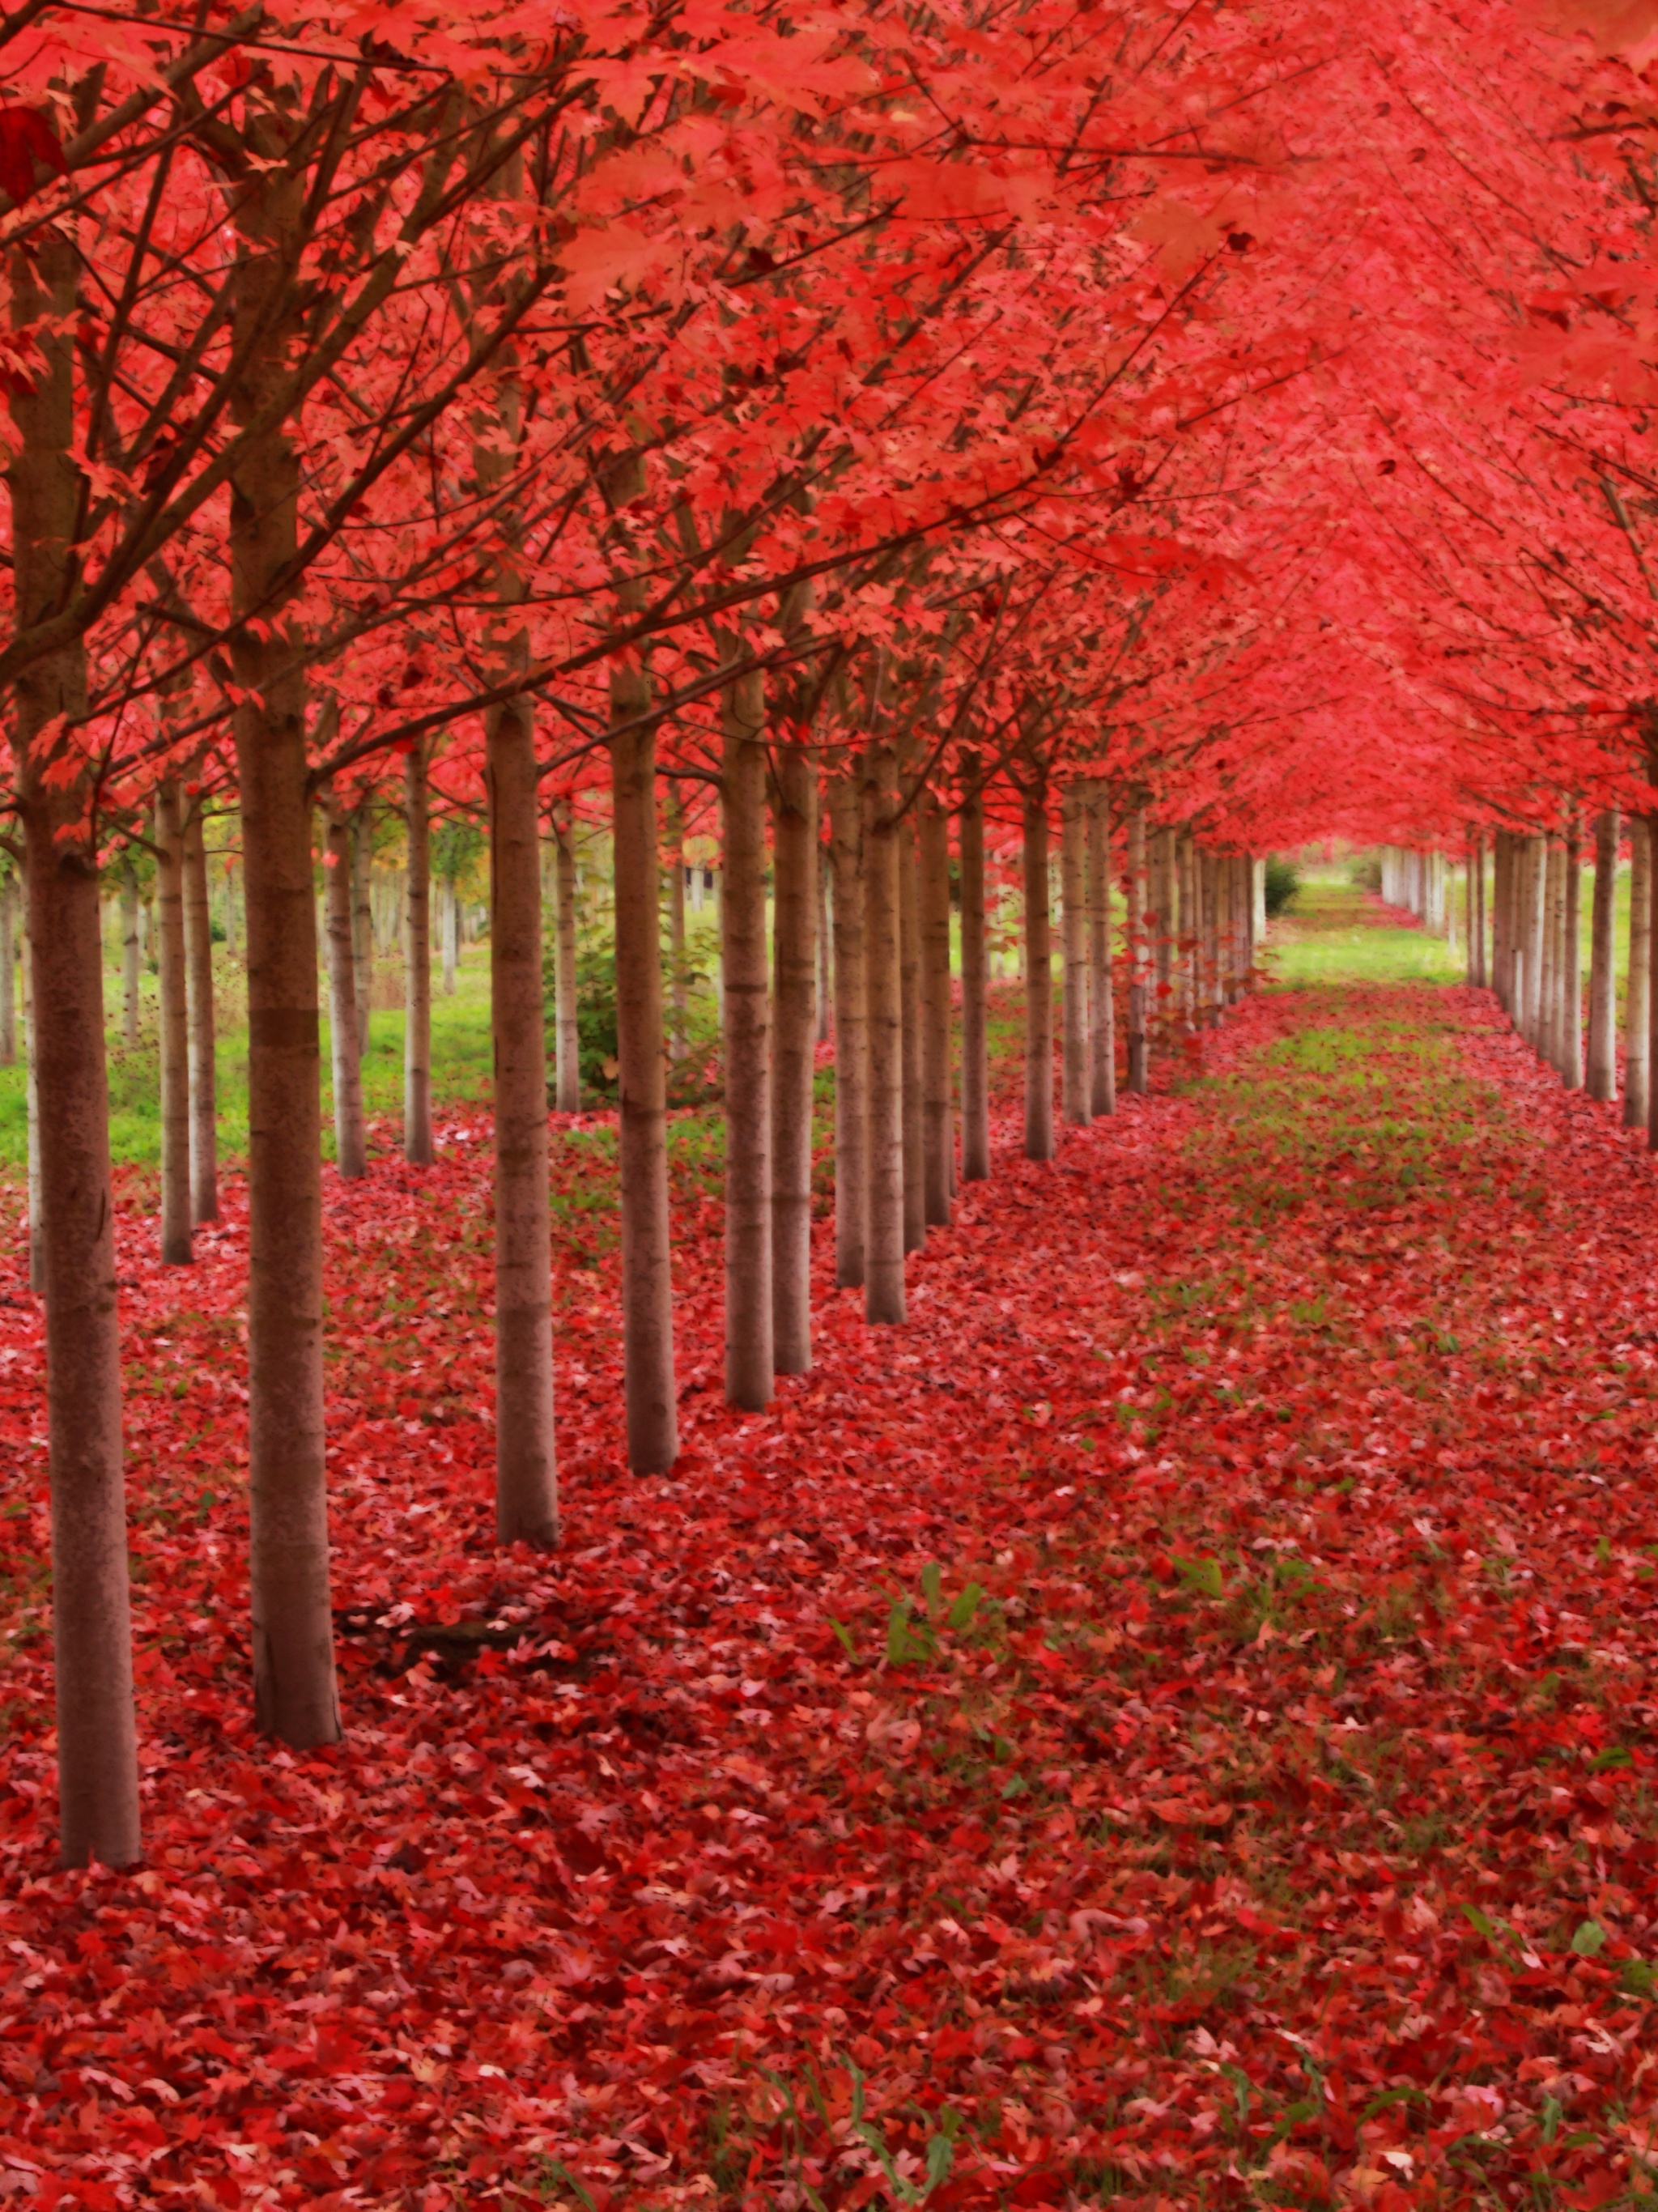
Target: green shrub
<point x="1365" y="870"/>
<point x="1283" y="882"/>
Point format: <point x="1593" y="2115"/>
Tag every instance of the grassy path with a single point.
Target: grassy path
<point x="1172" y="1728"/>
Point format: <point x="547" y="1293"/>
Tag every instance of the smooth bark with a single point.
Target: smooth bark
<point x="203" y="1046"/>
<point x="1038" y="983"/>
<point x="750" y="1365"/>
<point x="794" y="944"/>
<point x="130" y="950"/>
<point x="1103" y="1042"/>
<point x="1076" y="1074"/>
<point x="295" y="1696"/>
<point x="1637" y="984"/>
<point x="883" y="1233"/>
<point x="1139" y="992"/>
<point x="1602" y="1070"/>
<point x="9" y="971"/>
<point x="350" y="1147"/>
<point x="567" y="1078"/>
<point x="909" y="978"/>
<point x="938" y="1120"/>
<point x="362" y="918"/>
<point x="527" y="1464"/>
<point x="417" y="962"/>
<point x="845" y="850"/>
<point x="675" y="825"/>
<point x="975" y="1057"/>
<point x="176" y="1249"/>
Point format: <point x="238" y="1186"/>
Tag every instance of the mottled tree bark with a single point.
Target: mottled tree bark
<point x="527" y="1462"/>
<point x="294" y="1692"/>
<point x="1038" y="983"/>
<point x="749" y="1311"/>
<point x="909" y="978"/>
<point x="568" y="1054"/>
<point x="794" y="926"/>
<point x="362" y="917"/>
<point x="131" y="968"/>
<point x="1637" y="985"/>
<point x="976" y="1056"/>
<point x="350" y="1149"/>
<point x="1076" y="1079"/>
<point x="97" y="1754"/>
<point x="1137" y="991"/>
<point x="883" y="1232"/>
<point x="176" y="1249"/>
<point x="417" y="962"/>
<point x="846" y="813"/>
<point x="939" y="1129"/>
<point x="203" y="1051"/>
<point x="1103" y="1028"/>
<point x="1602" y="1071"/>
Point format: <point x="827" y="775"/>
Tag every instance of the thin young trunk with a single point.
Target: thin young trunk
<point x="1549" y="1045"/>
<point x="846" y="812"/>
<point x="1163" y="930"/>
<point x="568" y="1076"/>
<point x="1138" y="993"/>
<point x="1038" y="983"/>
<point x="362" y="917"/>
<point x="131" y="951"/>
<point x="97" y="1755"/>
<point x="350" y="1150"/>
<point x="883" y="1232"/>
<point x="646" y="1259"/>
<point x="825" y="979"/>
<point x="9" y="971"/>
<point x="1102" y="1080"/>
<point x="794" y="863"/>
<point x="975" y="1060"/>
<point x="675" y="825"/>
<point x="1537" y="858"/>
<point x="749" y="1315"/>
<point x="527" y="1464"/>
<point x="1501" y="920"/>
<point x="939" y="1131"/>
<point x="204" y="1072"/>
<point x="1076" y="1074"/>
<point x="1637" y="984"/>
<point x="32" y="1087"/>
<point x="449" y="926"/>
<point x="1602" y="1074"/>
<point x="909" y="973"/>
<point x="1571" y="956"/>
<point x="417" y="962"/>
<point x="1191" y="936"/>
<point x="174" y="1025"/>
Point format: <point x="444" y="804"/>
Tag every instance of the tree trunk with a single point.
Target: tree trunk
<point x="939" y="1131"/>
<point x="1551" y="1024"/>
<point x="1038" y="983"/>
<point x="527" y="1464"/>
<point x="350" y="1151"/>
<point x="1162" y="932"/>
<point x="449" y="926"/>
<point x="1191" y="936"/>
<point x="1076" y="1074"/>
<point x="130" y="949"/>
<point x="975" y="1059"/>
<point x="794" y="862"/>
<point x="1502" y="933"/>
<point x="203" y="1071"/>
<point x="909" y="939"/>
<point x="883" y="1233"/>
<point x="9" y="971"/>
<point x="362" y="918"/>
<point x="646" y="1259"/>
<point x="1602" y="1074"/>
<point x="37" y="1221"/>
<point x="825" y="979"/>
<point x="1138" y="993"/>
<point x="749" y="1309"/>
<point x="174" y="1026"/>
<point x="568" y="1078"/>
<point x="1571" y="956"/>
<point x="1103" y="1071"/>
<point x="676" y="1002"/>
<point x="1637" y="986"/>
<point x="846" y="811"/>
<point x="417" y="962"/>
<point x="97" y="1757"/>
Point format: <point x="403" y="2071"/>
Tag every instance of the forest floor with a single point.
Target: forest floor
<point x="1171" y="1727"/>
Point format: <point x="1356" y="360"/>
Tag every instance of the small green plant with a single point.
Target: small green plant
<point x="1283" y="882"/>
